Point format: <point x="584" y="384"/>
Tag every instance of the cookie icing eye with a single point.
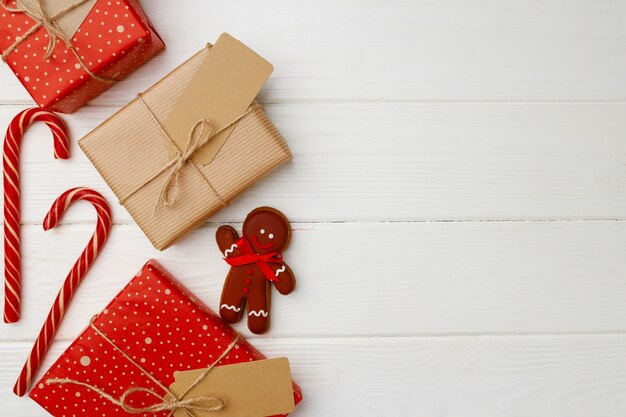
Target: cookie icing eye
<point x="262" y="231"/>
<point x="271" y="235"/>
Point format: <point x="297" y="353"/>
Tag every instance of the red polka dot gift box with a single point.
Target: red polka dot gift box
<point x="126" y="358"/>
<point x="67" y="52"/>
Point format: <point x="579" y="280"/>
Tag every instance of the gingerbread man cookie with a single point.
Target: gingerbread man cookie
<point x="256" y="262"/>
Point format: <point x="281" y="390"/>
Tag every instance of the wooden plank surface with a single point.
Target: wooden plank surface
<point x="380" y="51"/>
<point x="399" y="162"/>
<point x="358" y="279"/>
<point x="432" y="377"/>
<point x="458" y="194"/>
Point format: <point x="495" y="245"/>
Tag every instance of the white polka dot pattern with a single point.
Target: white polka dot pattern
<point x="115" y="39"/>
<point x="161" y="327"/>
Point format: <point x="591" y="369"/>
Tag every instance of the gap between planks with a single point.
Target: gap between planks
<point x="391" y="102"/>
<point x="364" y="222"/>
<point x="373" y="337"/>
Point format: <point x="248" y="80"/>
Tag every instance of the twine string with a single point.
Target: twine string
<point x="49" y="23"/>
<point x="200" y="134"/>
<point x="168" y="402"/>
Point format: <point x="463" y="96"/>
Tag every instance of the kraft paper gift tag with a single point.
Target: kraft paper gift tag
<point x="221" y="91"/>
<point x="136" y="149"/>
<point x="68" y="22"/>
<point x="248" y="389"/>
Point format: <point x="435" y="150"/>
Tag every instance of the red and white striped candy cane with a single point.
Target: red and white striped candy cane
<point x="73" y="279"/>
<point x="11" y="159"/>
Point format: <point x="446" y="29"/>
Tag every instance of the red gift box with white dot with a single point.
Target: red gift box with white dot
<point x="157" y="323"/>
<point x="115" y="39"/>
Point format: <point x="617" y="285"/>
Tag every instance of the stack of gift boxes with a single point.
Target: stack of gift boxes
<point x="174" y="156"/>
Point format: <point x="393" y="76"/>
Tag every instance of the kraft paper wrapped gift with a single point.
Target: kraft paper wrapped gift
<point x="67" y="52"/>
<point x="190" y="144"/>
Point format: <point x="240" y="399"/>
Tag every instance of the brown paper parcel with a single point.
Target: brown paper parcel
<point x="129" y="150"/>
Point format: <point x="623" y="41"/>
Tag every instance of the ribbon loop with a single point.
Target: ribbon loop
<point x="249" y="256"/>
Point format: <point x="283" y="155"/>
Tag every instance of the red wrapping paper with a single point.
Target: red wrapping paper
<point x="115" y="39"/>
<point x="161" y="326"/>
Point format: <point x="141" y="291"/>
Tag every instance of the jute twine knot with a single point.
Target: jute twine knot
<point x="168" y="402"/>
<point x="200" y="134"/>
<point x="49" y="23"/>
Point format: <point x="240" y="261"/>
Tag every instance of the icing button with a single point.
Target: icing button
<point x="249" y="271"/>
<point x="248" y="281"/>
<point x="246" y="290"/>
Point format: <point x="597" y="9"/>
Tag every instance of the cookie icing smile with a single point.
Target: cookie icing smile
<point x="258" y="245"/>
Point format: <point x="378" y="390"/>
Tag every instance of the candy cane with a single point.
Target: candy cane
<point x="15" y="132"/>
<point x="73" y="279"/>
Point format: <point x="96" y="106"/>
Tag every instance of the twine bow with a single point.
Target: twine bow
<point x="49" y="23"/>
<point x="200" y="134"/>
<point x="168" y="402"/>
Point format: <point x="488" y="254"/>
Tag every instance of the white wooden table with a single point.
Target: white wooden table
<point x="458" y="193"/>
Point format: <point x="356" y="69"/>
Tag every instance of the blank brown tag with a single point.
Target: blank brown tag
<point x="68" y="23"/>
<point x="249" y="389"/>
<point x="220" y="91"/>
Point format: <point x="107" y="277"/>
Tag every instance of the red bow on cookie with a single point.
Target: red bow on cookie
<point x="249" y="256"/>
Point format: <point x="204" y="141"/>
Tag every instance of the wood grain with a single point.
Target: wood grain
<point x="376" y="51"/>
<point x="399" y="162"/>
<point x="458" y="190"/>
<point x="376" y="279"/>
<point x="434" y="377"/>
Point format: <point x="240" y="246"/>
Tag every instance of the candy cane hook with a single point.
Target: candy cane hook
<point x="11" y="159"/>
<point x="73" y="279"/>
